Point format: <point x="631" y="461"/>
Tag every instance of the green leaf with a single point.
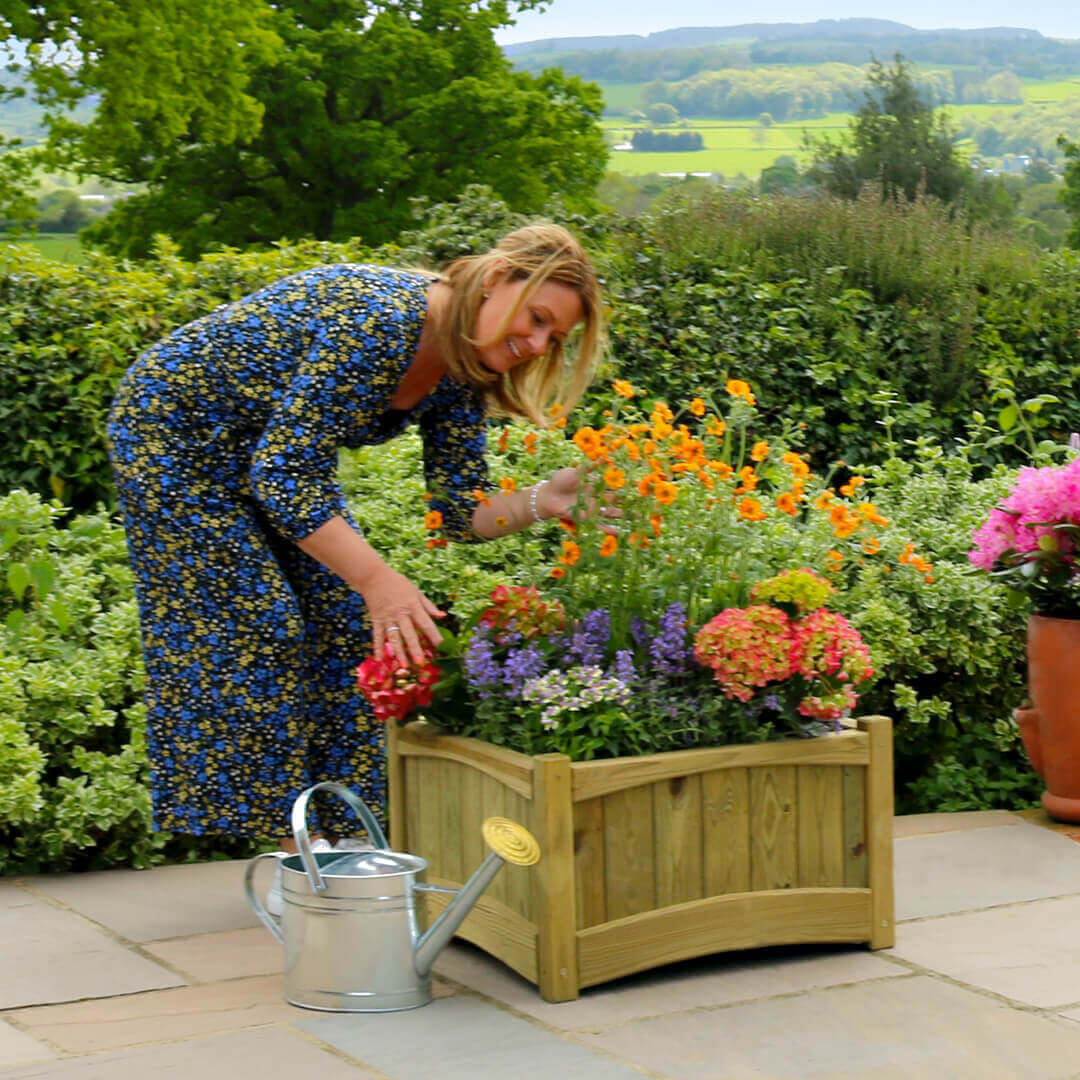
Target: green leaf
<point x="44" y="576"/>
<point x="15" y="620"/>
<point x="1008" y="417"/>
<point x="18" y="579"/>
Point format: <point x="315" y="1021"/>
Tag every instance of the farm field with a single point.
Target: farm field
<point x="60" y="247"/>
<point x="734" y="146"/>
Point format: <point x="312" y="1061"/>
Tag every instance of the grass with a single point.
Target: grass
<point x="60" y="247"/>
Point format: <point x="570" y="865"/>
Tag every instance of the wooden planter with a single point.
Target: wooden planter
<point x="649" y="860"/>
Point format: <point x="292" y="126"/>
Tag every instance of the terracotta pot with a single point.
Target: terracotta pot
<point x="1051" y="727"/>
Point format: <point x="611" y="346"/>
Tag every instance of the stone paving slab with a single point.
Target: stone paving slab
<point x="463" y="1038"/>
<point x="913" y="1028"/>
<point x="1028" y="953"/>
<point x="925" y="824"/>
<point x="716" y="980"/>
<point x="230" y="954"/>
<point x="267" y="1053"/>
<point x="166" y="902"/>
<point x="50" y="955"/>
<point x="167" y="1015"/>
<point x="979" y="868"/>
<point x="18" y="1048"/>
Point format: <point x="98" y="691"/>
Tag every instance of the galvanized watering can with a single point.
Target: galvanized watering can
<point x="349" y="920"/>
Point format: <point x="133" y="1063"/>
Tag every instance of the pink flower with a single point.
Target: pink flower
<point x="394" y="689"/>
<point x="746" y="648"/>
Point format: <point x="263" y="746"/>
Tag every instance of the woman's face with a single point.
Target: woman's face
<point x="547" y="316"/>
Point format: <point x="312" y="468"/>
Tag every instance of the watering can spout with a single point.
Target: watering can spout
<point x="509" y="842"/>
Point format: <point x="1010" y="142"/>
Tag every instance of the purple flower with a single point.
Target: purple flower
<point x="589" y="639"/>
<point x="520" y="666"/>
<point x="481" y="667"/>
<point x="639" y="632"/>
<point x="772" y="702"/>
<point x="669" y="650"/>
<point x="623" y="668"/>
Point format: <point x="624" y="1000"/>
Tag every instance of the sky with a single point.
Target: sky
<point x="587" y="18"/>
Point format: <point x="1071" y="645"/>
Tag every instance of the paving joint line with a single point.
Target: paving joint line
<point x="133" y="946"/>
<point x="989" y="907"/>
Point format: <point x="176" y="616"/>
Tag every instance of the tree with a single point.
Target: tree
<point x="1070" y="196"/>
<point x="358" y="106"/>
<point x="662" y="113"/>
<point x="896" y="139"/>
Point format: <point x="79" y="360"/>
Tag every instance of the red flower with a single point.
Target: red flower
<point x="394" y="689"/>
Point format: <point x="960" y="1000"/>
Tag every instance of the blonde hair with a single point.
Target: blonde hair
<point x="535" y="254"/>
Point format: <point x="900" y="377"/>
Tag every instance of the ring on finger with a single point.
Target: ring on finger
<point x="391" y="629"/>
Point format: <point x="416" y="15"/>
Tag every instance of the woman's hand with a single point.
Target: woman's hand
<point x="401" y="615"/>
<point x="561" y="491"/>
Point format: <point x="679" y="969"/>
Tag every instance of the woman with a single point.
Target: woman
<point x="258" y="594"/>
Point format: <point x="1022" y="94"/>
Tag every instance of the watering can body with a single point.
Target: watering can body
<point x="349" y="921"/>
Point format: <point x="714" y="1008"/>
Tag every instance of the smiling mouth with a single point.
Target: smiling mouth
<point x="513" y="349"/>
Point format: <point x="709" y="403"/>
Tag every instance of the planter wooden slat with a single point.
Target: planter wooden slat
<point x="592" y="778"/>
<point x="820" y="803"/>
<point x="678" y="840"/>
<point x="856" y="864"/>
<point x="589" y="865"/>
<point x="726" y="831"/>
<point x="650" y="860"/>
<point x="721" y="923"/>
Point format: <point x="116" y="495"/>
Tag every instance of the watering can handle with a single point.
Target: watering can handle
<point x="265" y="917"/>
<point x="300" y="832"/>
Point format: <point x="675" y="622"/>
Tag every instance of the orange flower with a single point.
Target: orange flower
<point x="721" y="467"/>
<point x="707" y="482"/>
<point x="748" y="479"/>
<point x="555" y="409"/>
<point x="428" y="496"/>
<point x="760" y="451"/>
<point x="501" y="522"/>
<point x="530" y="442"/>
<point x="636" y="540"/>
<point x="661" y="429"/>
<point x="568" y="525"/>
<point x="480" y="497"/>
<point x="661" y="410"/>
<point x="614" y="478"/>
<point x="799" y="468"/>
<point x="834" y="556"/>
<point x="654" y="521"/>
<point x="504" y="438"/>
<point x="852" y="484"/>
<point x="666" y="492"/>
<point x="738" y="388"/>
<point x="561" y="422"/>
<point x="433" y="520"/>
<point x="906" y="554"/>
<point x="589" y="442"/>
<point x="716" y="426"/>
<point x="697" y="407"/>
<point x="609" y="546"/>
<point x="869" y="512"/>
<point x="436" y="542"/>
<point x="624" y="389"/>
<point x="508" y="484"/>
<point x="786" y="502"/>
<point x="823" y="500"/>
<point x="843" y="521"/>
<point x="751" y="510"/>
<point x="570" y="553"/>
<point x="558" y="572"/>
<point x="872" y="545"/>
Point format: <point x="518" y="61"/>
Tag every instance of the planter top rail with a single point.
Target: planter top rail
<point x="591" y="779"/>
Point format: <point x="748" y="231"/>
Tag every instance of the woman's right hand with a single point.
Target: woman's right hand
<point x="401" y="615"/>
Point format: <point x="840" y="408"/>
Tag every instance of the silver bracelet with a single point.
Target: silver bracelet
<point x="534" y="493"/>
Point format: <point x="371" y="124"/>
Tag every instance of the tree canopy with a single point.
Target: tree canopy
<point x="1071" y="195"/>
<point x="896" y="139"/>
<point x="250" y="122"/>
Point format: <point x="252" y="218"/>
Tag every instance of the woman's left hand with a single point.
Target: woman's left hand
<point x="561" y="492"/>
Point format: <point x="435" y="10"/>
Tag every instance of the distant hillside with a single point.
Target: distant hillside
<point x="674" y="55"/>
<point x="697" y="36"/>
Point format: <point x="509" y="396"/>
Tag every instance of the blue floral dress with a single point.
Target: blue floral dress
<point x="224" y="440"/>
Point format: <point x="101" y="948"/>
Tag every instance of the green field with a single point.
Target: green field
<point x="60" y="247"/>
<point x="741" y="146"/>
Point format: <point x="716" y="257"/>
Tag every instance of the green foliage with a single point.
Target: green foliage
<point x="828" y="306"/>
<point x="897" y="140"/>
<point x="365" y="109"/>
<point x="667" y="140"/>
<point x="70" y="332"/>
<point x="1071" y="195"/>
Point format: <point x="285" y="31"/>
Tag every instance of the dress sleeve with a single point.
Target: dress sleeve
<point x="454" y="431"/>
<point x="340" y="387"/>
